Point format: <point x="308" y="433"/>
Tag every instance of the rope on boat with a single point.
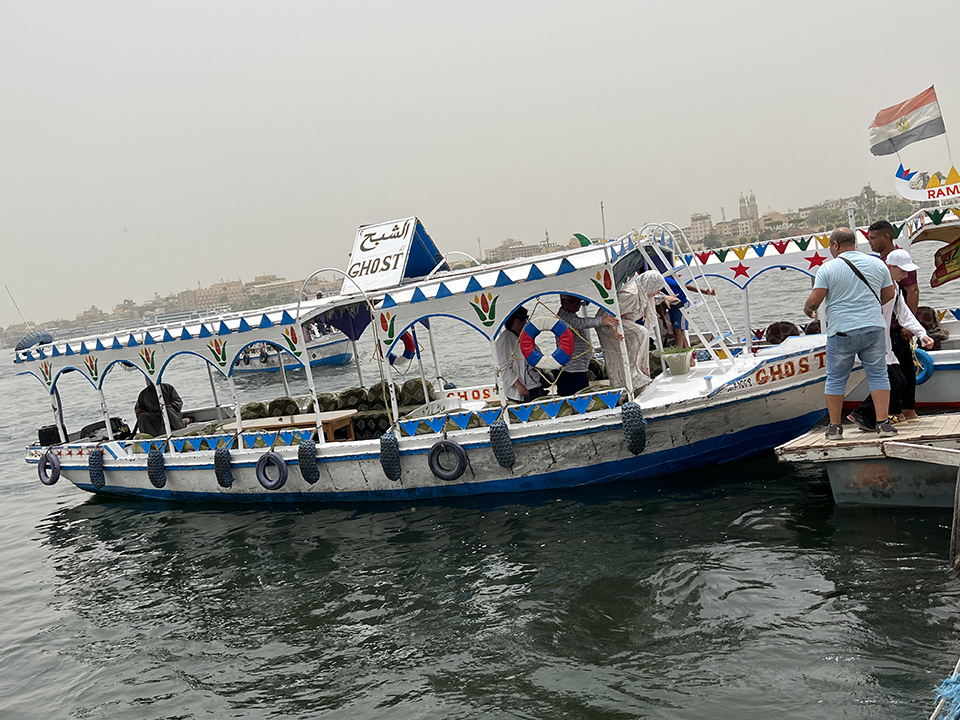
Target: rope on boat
<point x="949" y="691"/>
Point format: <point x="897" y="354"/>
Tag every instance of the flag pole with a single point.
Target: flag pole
<point x="946" y="137"/>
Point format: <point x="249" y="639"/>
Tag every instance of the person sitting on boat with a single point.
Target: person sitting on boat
<point x="573" y="376"/>
<point x="899" y="264"/>
<point x="854" y="287"/>
<point x="519" y="381"/>
<point x="147" y="409"/>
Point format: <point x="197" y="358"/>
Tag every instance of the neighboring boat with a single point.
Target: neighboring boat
<point x="938" y="379"/>
<point x="329" y="348"/>
<point x="729" y="406"/>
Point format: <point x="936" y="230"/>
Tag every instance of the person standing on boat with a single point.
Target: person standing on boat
<point x="147" y="409"/>
<point x="674" y="307"/>
<point x="880" y="235"/>
<point x="573" y="376"/>
<point x="899" y="264"/>
<point x="518" y="380"/>
<point x="854" y="288"/>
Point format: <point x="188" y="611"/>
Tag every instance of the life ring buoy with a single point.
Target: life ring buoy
<point x="409" y="349"/>
<point x="924" y="365"/>
<point x="459" y="455"/>
<point x="271" y="458"/>
<point x="528" y="343"/>
<point x="49" y="468"/>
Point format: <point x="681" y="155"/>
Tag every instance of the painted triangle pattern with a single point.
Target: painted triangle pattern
<point x="522" y="412"/>
<point x="178" y="443"/>
<point x="436" y="424"/>
<point x="410" y="427"/>
<point x="551" y="408"/>
<point x="195" y="442"/>
<point x="462" y="419"/>
<point x="579" y="403"/>
<point x="610" y="399"/>
<point x="489" y="416"/>
<point x="287" y="437"/>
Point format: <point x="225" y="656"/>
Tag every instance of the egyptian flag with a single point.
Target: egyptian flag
<point x="915" y="119"/>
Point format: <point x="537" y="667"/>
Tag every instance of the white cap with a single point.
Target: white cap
<point x="901" y="259"/>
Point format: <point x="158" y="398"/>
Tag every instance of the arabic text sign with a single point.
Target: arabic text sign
<point x="379" y="255"/>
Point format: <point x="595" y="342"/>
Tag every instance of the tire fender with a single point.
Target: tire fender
<point x="271" y="458"/>
<point x="221" y="466"/>
<point x="459" y="455"/>
<point x="390" y="456"/>
<point x="95" y="465"/>
<point x="51" y="461"/>
<point x="502" y="445"/>
<point x="634" y="428"/>
<point x="155" y="471"/>
<point x="307" y="456"/>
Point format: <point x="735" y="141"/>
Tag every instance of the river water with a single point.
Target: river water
<point x="738" y="592"/>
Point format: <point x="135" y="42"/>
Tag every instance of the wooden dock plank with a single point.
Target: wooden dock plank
<point x="922" y="453"/>
<point x="813" y="446"/>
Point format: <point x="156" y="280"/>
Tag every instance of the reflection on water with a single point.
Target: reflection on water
<point x="655" y="601"/>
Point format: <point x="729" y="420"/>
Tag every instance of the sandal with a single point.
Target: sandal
<point x="894" y="420"/>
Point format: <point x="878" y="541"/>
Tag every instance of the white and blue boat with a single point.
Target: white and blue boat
<point x="731" y="405"/>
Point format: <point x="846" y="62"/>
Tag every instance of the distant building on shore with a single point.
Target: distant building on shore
<point x="701" y="225"/>
<point x="511" y="249"/>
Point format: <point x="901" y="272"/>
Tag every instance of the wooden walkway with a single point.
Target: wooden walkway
<point x="856" y="444"/>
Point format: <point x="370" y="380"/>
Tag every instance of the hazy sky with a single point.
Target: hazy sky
<point x="149" y="146"/>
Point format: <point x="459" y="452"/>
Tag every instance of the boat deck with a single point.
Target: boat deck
<point x="858" y="445"/>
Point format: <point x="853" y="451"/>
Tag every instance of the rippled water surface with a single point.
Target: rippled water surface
<point x="740" y="592"/>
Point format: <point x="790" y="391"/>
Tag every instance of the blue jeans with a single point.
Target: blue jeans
<point x="870" y="344"/>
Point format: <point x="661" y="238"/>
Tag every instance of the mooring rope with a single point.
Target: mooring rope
<point x="949" y="691"/>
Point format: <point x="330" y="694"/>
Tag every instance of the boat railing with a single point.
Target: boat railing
<point x="714" y="340"/>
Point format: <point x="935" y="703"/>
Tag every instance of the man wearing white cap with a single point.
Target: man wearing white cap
<point x="880" y="234"/>
<point x="900" y="265"/>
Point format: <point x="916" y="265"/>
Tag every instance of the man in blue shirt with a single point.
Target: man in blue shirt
<point x="855" y="286"/>
<point x="677" y="321"/>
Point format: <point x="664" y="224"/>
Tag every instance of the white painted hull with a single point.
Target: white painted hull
<point x="687" y="428"/>
<point x="940" y="392"/>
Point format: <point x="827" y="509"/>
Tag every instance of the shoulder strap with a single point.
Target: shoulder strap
<point x="860" y="275"/>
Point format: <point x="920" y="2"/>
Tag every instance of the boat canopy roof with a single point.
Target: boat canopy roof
<point x="484" y="297"/>
<point x="481" y="297"/>
<point x="219" y="340"/>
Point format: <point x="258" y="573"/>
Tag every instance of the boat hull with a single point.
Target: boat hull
<point x="889" y="482"/>
<point x="326" y="352"/>
<point x="941" y="391"/>
<point x="560" y="453"/>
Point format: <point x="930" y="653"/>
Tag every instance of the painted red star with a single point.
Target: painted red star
<point x="69" y="453"/>
<point x="739" y="270"/>
<point x="815" y="261"/>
